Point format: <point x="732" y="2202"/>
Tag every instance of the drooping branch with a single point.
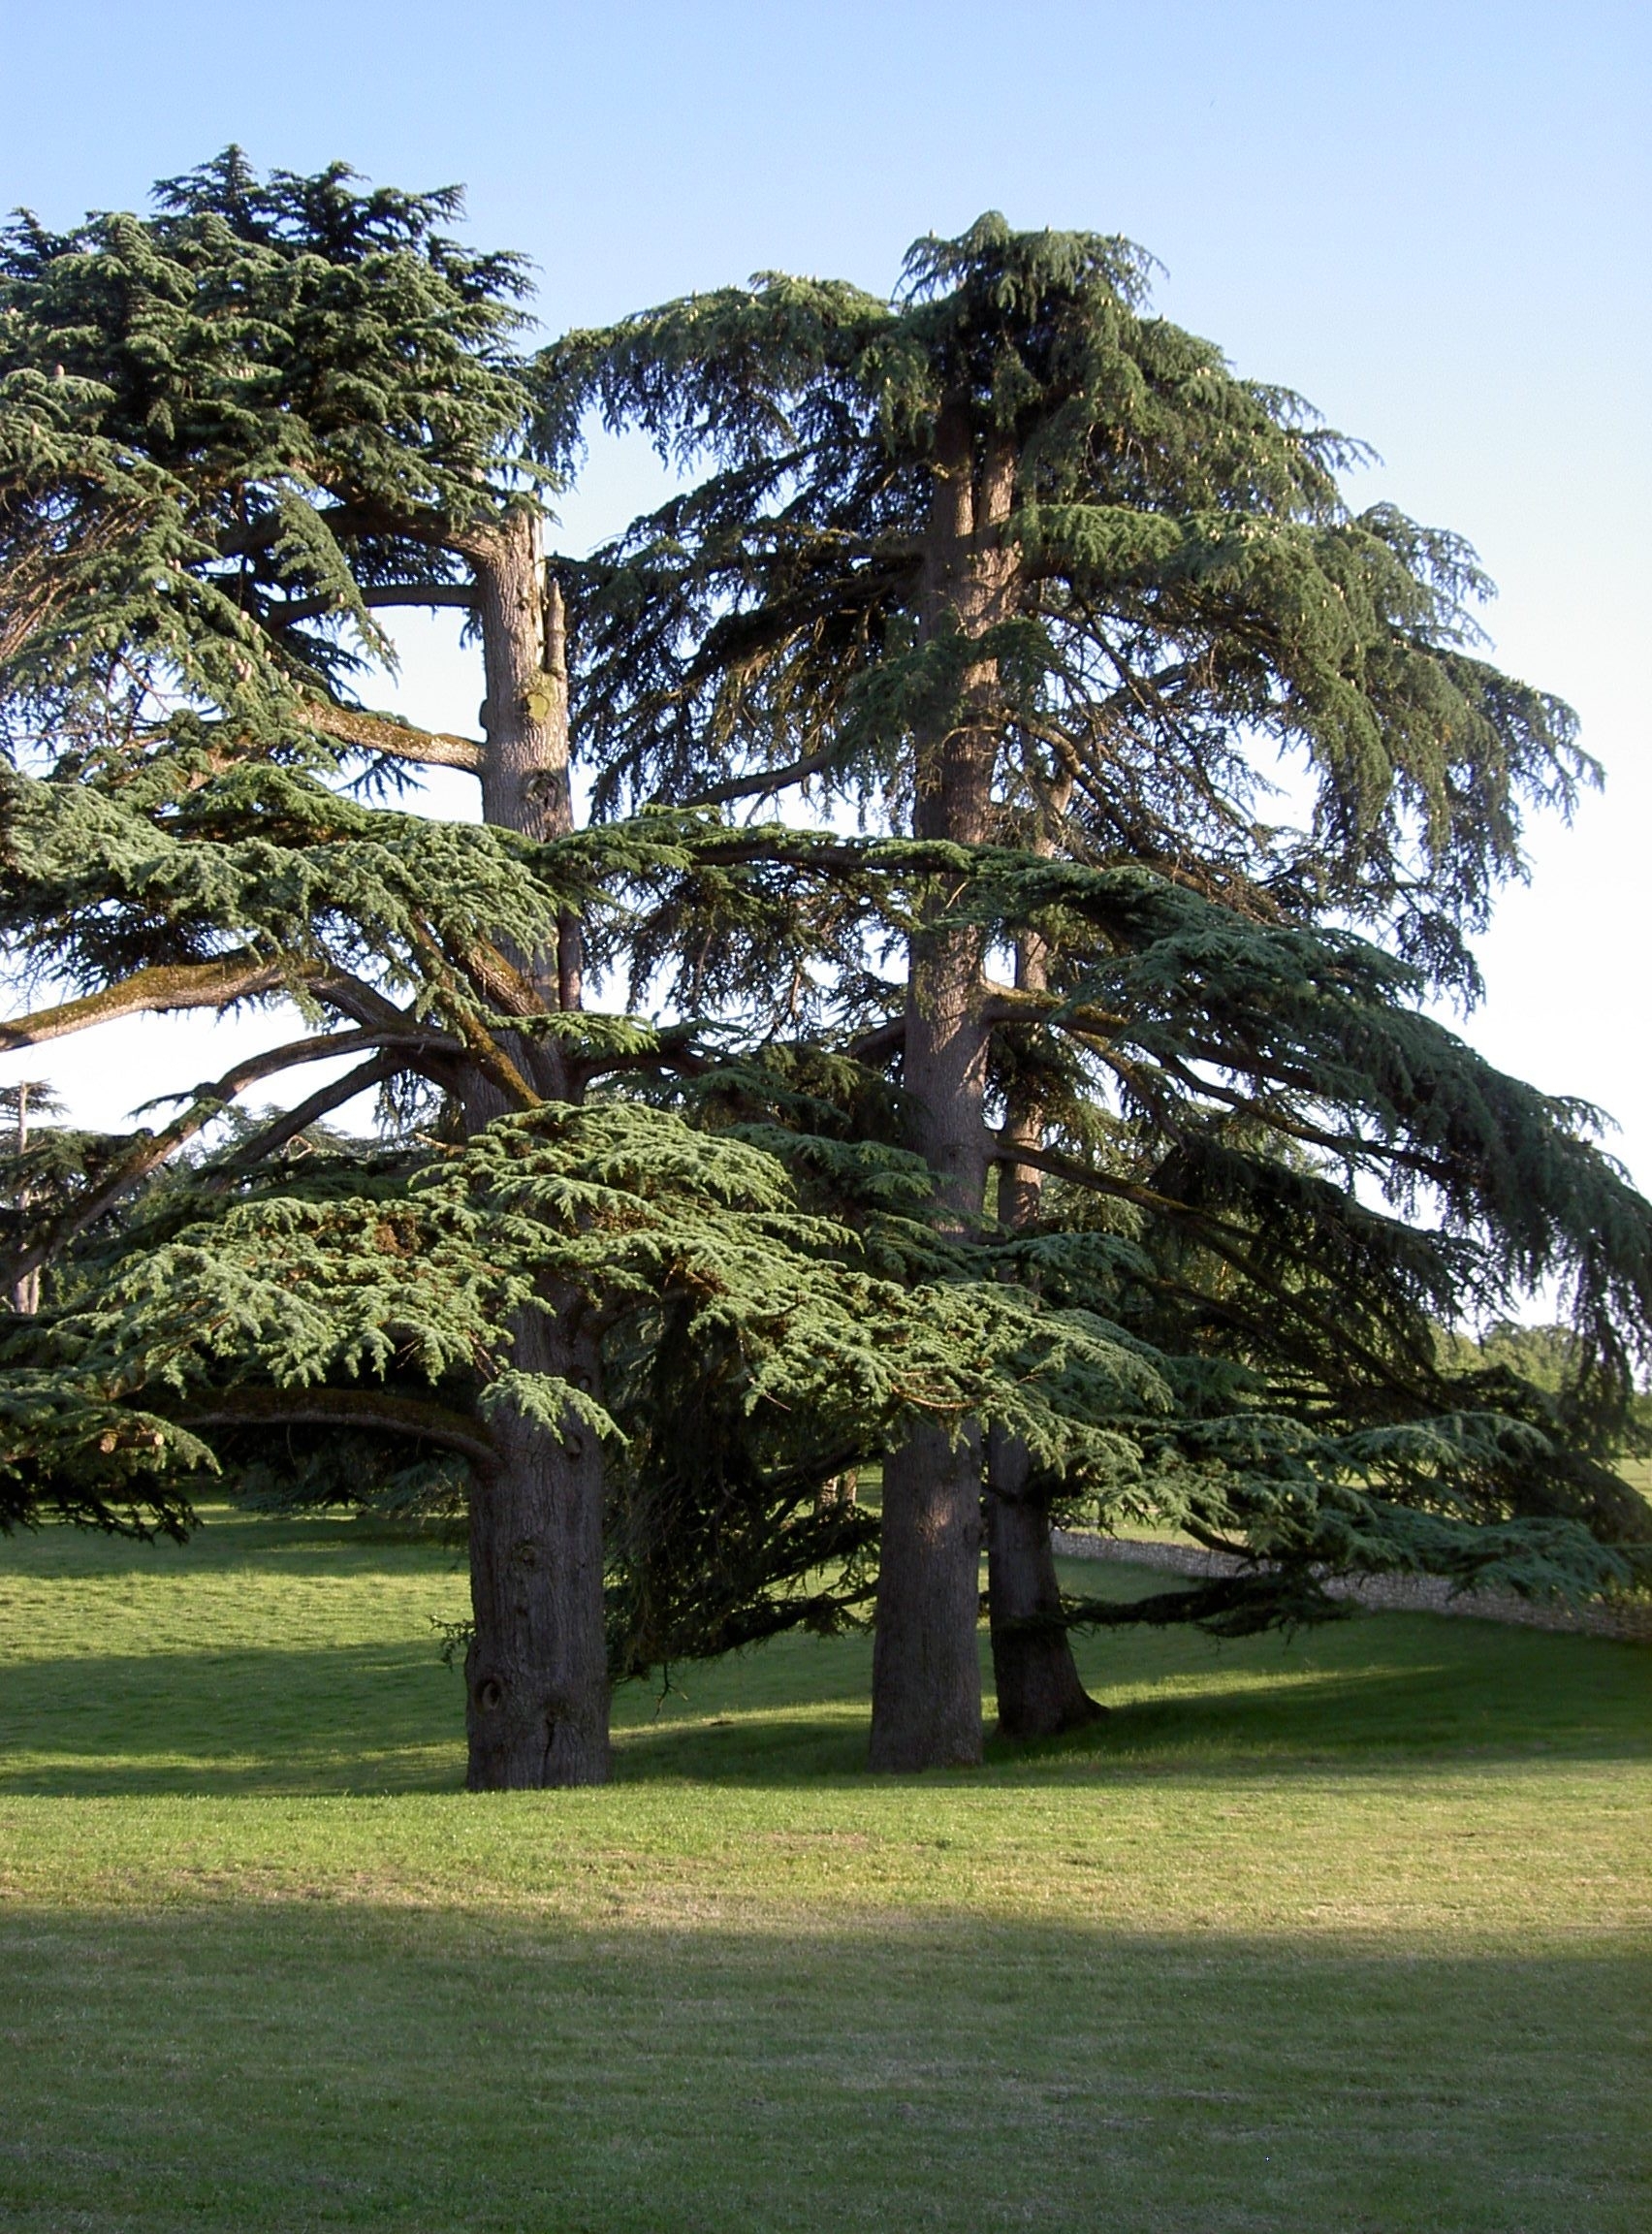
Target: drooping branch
<point x="881" y="1042"/>
<point x="1003" y="1150"/>
<point x="1003" y="1005"/>
<point x="766" y="782"/>
<point x="371" y="1410"/>
<point x="321" y="1104"/>
<point x="1231" y="1242"/>
<point x="150" y="1150"/>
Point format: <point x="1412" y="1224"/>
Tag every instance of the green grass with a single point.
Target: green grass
<point x="1637" y="1473"/>
<point x="1346" y="1933"/>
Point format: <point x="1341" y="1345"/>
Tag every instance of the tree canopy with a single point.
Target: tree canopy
<point x="1013" y="465"/>
<point x="1021" y="569"/>
<point x="1070" y="1131"/>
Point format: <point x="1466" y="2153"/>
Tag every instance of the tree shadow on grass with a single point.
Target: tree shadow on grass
<point x="361" y="1717"/>
<point x="390" y="1718"/>
<point x="283" y="2063"/>
<point x="233" y="1540"/>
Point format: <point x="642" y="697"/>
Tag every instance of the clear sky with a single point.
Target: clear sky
<point x="1432" y="220"/>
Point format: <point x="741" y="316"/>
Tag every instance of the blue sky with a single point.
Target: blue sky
<point x="1435" y="222"/>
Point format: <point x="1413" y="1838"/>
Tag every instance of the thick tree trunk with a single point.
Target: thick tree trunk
<point x="926" y="1685"/>
<point x="536" y="1672"/>
<point x="536" y="1676"/>
<point x="1040" y="1693"/>
<point x="926" y="1675"/>
<point x="526" y="780"/>
<point x="926" y="1667"/>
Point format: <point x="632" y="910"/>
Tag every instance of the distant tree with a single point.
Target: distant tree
<point x="30" y="1099"/>
<point x="1033" y="575"/>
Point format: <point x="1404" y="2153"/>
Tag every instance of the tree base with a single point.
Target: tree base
<point x="520" y="1743"/>
<point x="926" y="1667"/>
<point x="1040" y="1694"/>
<point x="536" y="1674"/>
<point x="1039" y="1687"/>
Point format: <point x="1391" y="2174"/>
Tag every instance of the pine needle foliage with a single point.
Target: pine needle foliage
<point x="1268" y="1167"/>
<point x="227" y="430"/>
<point x="754" y="1336"/>
<point x="1009" y="539"/>
<point x="1190" y="584"/>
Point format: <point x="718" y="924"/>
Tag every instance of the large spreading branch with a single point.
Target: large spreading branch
<point x="148" y="1151"/>
<point x="1222" y="1236"/>
<point x="158" y="988"/>
<point x="378" y="1071"/>
<point x="452" y="594"/>
<point x="395" y="740"/>
<point x="766" y="782"/>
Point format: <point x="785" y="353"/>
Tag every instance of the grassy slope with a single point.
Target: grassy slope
<point x="1343" y="1933"/>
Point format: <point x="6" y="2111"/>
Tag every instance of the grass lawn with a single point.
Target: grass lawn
<point x="1345" y="1932"/>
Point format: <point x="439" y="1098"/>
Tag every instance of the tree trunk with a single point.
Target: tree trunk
<point x="926" y="1681"/>
<point x="25" y="1292"/>
<point x="536" y="1672"/>
<point x="925" y="1670"/>
<point x="536" y="1675"/>
<point x="1040" y="1693"/>
<point x="926" y="1666"/>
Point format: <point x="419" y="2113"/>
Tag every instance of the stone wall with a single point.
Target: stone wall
<point x="1630" y="1617"/>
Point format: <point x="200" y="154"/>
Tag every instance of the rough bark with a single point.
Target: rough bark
<point x="162" y="987"/>
<point x="1040" y="1693"/>
<point x="926" y="1666"/>
<point x="536" y="1683"/>
<point x="398" y="740"/>
<point x="536" y="1672"/>
<point x="926" y="1685"/>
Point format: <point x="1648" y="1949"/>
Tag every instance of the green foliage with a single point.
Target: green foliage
<point x="1254" y="1073"/>
<point x="312" y="1295"/>
<point x="1194" y="584"/>
<point x="1261" y="1160"/>
<point x="234" y="431"/>
<point x="221" y="428"/>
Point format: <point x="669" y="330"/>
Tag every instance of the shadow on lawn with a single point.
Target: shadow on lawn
<point x="390" y="1718"/>
<point x="233" y="1543"/>
<point x="281" y="2064"/>
<point x="312" y="1719"/>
